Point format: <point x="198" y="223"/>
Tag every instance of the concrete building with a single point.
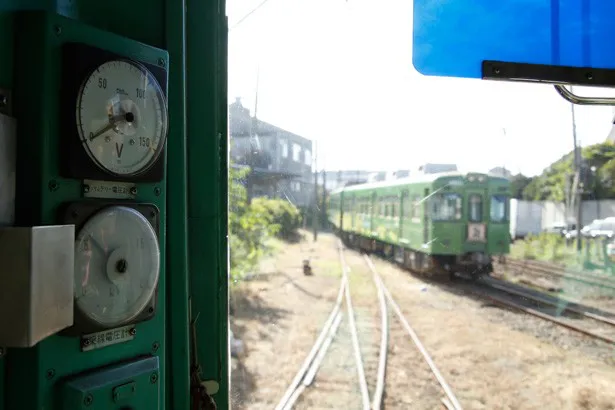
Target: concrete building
<point x="281" y="161"/>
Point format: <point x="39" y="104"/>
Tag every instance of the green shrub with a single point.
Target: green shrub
<point x="283" y="216"/>
<point x="250" y="228"/>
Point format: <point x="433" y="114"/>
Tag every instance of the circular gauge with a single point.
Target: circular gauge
<point x="117" y="265"/>
<point x="122" y="117"/>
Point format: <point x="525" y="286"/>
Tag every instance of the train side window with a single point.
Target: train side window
<point x="475" y="210"/>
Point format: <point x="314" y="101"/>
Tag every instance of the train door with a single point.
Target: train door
<point x="476" y="207"/>
<point x="426" y="203"/>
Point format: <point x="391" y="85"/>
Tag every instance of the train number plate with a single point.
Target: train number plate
<point x="476" y="232"/>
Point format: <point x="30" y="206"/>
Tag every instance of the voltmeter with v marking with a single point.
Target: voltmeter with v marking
<point x="115" y="117"/>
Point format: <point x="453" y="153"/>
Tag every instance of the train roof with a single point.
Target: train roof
<point x="423" y="178"/>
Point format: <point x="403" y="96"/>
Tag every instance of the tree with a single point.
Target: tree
<point x="518" y="183"/>
<point x="597" y="175"/>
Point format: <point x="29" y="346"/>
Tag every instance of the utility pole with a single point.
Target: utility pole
<point x="254" y="145"/>
<point x="577" y="177"/>
<point x="504" y="152"/>
<point x="315" y="206"/>
<point x="324" y="194"/>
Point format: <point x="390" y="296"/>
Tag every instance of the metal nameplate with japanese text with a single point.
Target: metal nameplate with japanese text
<point x="108" y="189"/>
<point x="107" y="338"/>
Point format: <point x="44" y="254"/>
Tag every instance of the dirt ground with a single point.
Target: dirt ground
<point x="492" y="358"/>
<point x="279" y="314"/>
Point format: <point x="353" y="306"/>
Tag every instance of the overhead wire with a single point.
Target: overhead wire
<point x="241" y="20"/>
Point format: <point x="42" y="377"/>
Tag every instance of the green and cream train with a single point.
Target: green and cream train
<point x="434" y="223"/>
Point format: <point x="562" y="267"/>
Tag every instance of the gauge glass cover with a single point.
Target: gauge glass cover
<point x="122" y="117"/>
<point x="117" y="266"/>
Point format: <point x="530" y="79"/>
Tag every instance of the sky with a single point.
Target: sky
<point x="340" y="73"/>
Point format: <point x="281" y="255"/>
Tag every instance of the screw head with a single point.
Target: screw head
<point x="157" y="191"/>
<point x="155" y="347"/>
<point x="86" y="189"/>
<point x="53" y="185"/>
<point x="50" y="374"/>
<point x="133" y="190"/>
<point x="132" y="331"/>
<point x="161" y="62"/>
<point x="88" y="400"/>
<point x="153" y="378"/>
<point x="3" y="100"/>
<point x="57" y="30"/>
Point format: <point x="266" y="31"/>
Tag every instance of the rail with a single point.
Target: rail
<point x="451" y="398"/>
<point x="355" y="337"/>
<point x="537" y="313"/>
<point x="294" y="389"/>
<point x="554" y="270"/>
<point x="384" y="340"/>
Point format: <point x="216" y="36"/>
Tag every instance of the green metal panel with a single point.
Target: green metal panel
<point x="178" y="347"/>
<point x="207" y="131"/>
<point x="134" y="385"/>
<point x="6" y="82"/>
<point x="36" y="372"/>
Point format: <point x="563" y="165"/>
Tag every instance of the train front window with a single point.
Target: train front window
<point x="498" y="208"/>
<point x="446" y="207"/>
<point x="475" y="210"/>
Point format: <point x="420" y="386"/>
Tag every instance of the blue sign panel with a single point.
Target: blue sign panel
<point x="452" y="38"/>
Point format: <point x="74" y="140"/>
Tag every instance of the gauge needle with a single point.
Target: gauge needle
<point x="96" y="244"/>
<point x="112" y="123"/>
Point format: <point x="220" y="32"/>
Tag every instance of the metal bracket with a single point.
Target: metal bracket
<point x="559" y="76"/>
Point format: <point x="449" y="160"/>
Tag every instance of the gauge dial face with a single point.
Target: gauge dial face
<point x="117" y="265"/>
<point x="122" y="117"/>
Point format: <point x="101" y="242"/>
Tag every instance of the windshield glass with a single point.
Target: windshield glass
<point x="475" y="208"/>
<point x="498" y="208"/>
<point x="446" y="207"/>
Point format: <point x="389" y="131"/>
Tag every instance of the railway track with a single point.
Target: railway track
<point x="586" y="320"/>
<point x="550" y="270"/>
<point x="371" y="368"/>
